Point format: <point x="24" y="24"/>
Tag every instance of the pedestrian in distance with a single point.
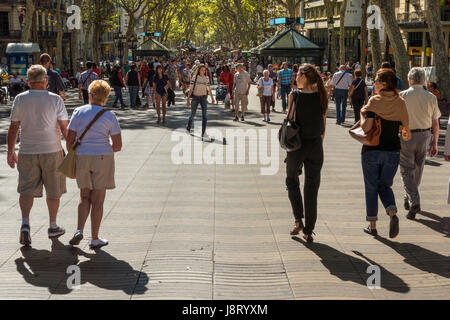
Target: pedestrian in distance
<point x="199" y="90"/>
<point x="160" y="84"/>
<point x="241" y="88"/>
<point x="358" y="94"/>
<point x="133" y="80"/>
<point x="308" y="108"/>
<point x="41" y="117"/>
<point x="447" y="155"/>
<point x="86" y="78"/>
<point x="340" y="85"/>
<point x="380" y="163"/>
<point x="424" y="114"/>
<point x="55" y="82"/>
<point x="284" y="84"/>
<point x="116" y="81"/>
<point x="95" y="158"/>
<point x="267" y="89"/>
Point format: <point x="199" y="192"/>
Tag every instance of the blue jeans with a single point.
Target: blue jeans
<point x="118" y="91"/>
<point x="285" y="90"/>
<point x="203" y="101"/>
<point x="340" y="97"/>
<point x="133" y="95"/>
<point x="379" y="169"/>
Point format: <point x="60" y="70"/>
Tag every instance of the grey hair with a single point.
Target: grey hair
<point x="36" y="73"/>
<point x="266" y="71"/>
<point x="416" y="76"/>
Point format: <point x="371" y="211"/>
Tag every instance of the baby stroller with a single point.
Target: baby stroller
<point x="221" y="93"/>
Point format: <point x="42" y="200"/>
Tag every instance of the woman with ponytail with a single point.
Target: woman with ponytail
<point x="311" y="105"/>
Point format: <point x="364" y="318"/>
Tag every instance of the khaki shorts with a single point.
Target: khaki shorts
<point x="38" y="170"/>
<point x="243" y="98"/>
<point x="95" y="172"/>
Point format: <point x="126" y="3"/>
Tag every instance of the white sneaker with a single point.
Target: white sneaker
<point x="205" y="137"/>
<point x="95" y="244"/>
<point x="264" y="119"/>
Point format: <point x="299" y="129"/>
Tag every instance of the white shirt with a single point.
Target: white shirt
<point x="345" y="82"/>
<point x="38" y="112"/>
<point x="266" y="85"/>
<point x="96" y="140"/>
<point x="422" y="107"/>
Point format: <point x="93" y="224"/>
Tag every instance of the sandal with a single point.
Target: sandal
<point x="297" y="228"/>
<point x="370" y="231"/>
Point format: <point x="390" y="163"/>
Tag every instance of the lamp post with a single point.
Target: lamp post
<point x="120" y="41"/>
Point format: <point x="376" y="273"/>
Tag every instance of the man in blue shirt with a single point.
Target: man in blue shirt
<point x="284" y="82"/>
<point x="55" y="82"/>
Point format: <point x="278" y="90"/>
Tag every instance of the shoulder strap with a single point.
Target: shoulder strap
<point x="340" y="79"/>
<point x="292" y="106"/>
<point x="360" y="81"/>
<point x="97" y="116"/>
<point x="85" y="80"/>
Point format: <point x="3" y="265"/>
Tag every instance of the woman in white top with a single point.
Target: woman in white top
<point x="265" y="84"/>
<point x="95" y="158"/>
<point x="199" y="90"/>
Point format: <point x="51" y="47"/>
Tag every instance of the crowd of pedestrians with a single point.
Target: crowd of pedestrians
<point x="409" y="123"/>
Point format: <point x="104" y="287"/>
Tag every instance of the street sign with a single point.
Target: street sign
<point x="153" y="34"/>
<point x="278" y="21"/>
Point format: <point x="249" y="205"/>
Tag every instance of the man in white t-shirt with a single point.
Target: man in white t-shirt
<point x="41" y="117"/>
<point x="340" y="84"/>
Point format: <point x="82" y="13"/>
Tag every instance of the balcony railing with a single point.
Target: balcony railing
<point x="412" y="17"/>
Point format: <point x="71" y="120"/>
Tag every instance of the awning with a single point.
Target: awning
<point x="22" y="48"/>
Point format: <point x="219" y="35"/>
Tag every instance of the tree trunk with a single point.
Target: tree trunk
<point x="59" y="36"/>
<point x="342" y="31"/>
<point x="395" y="37"/>
<point x="433" y="17"/>
<point x="74" y="54"/>
<point x="28" y="21"/>
<point x="86" y="41"/>
<point x="130" y="30"/>
<point x="329" y="6"/>
<point x="363" y="42"/>
<point x="375" y="48"/>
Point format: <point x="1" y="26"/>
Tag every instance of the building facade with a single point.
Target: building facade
<point x="411" y="19"/>
<point x="316" y="26"/>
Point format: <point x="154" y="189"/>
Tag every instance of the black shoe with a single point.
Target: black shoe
<point x="370" y="231"/>
<point x="188" y="129"/>
<point x="393" y="227"/>
<point x="242" y="118"/>
<point x="406" y="204"/>
<point x="25" y="238"/>
<point x="236" y="118"/>
<point x="412" y="212"/>
<point x="77" y="237"/>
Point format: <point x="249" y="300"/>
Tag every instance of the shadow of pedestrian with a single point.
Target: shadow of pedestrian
<point x="107" y="272"/>
<point x="43" y="268"/>
<point x="420" y="258"/>
<point x="338" y="264"/>
<point x="437" y="223"/>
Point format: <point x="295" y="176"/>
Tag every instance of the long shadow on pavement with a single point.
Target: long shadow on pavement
<point x="439" y="224"/>
<point x="420" y="258"/>
<point x="337" y="263"/>
<point x="43" y="268"/>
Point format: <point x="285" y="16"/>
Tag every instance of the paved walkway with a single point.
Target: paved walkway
<point x="199" y="231"/>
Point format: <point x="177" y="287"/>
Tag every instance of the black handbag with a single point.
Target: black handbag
<point x="289" y="133"/>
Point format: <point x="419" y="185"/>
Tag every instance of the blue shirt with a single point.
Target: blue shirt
<point x="96" y="140"/>
<point x="285" y="76"/>
<point x="399" y="86"/>
<point x="87" y="78"/>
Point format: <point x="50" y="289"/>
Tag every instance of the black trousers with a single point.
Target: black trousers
<point x="310" y="155"/>
<point x="357" y="105"/>
<point x="85" y="96"/>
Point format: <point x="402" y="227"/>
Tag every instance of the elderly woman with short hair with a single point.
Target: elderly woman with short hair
<point x="95" y="159"/>
<point x="267" y="88"/>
